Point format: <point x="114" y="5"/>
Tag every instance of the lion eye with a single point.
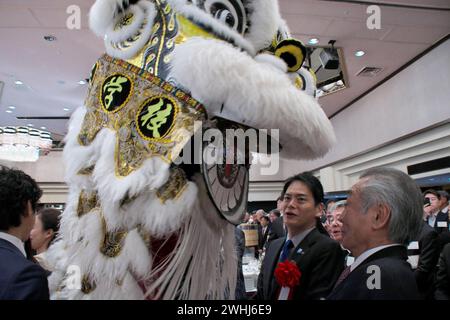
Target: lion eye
<point x="225" y="16"/>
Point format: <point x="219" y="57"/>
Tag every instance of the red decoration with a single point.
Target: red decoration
<point x="287" y="274"/>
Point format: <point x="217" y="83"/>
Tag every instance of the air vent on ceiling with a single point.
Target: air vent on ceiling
<point x="369" y="72"/>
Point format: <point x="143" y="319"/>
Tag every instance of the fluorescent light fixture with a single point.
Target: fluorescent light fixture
<point x="359" y="53"/>
<point x="43" y="128"/>
<point x="8" y="111"/>
<point x="313" y="41"/>
<point x="18" y="82"/>
<point x="11" y="107"/>
<point x="81" y="82"/>
<point x="66" y="109"/>
<point x="30" y="125"/>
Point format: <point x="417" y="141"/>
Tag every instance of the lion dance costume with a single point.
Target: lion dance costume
<point x="138" y="225"/>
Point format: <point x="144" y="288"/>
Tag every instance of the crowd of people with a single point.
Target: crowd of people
<point x="356" y="248"/>
<point x="386" y="231"/>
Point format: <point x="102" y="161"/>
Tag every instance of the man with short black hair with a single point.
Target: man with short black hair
<point x="19" y="278"/>
<point x="318" y="258"/>
<point x="436" y="218"/>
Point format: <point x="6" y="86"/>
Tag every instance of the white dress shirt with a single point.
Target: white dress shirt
<point x="368" y="253"/>
<point x="14" y="240"/>
<point x="432" y="219"/>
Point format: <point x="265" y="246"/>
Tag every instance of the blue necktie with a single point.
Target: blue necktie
<point x="285" y="252"/>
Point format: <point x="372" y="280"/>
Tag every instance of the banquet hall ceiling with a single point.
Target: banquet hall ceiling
<point x="50" y="70"/>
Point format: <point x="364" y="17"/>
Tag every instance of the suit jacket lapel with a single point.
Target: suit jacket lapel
<point x="303" y="246"/>
<point x="272" y="260"/>
<point x="394" y="251"/>
<point x="295" y="255"/>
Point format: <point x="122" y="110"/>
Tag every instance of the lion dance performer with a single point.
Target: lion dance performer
<point x="138" y="224"/>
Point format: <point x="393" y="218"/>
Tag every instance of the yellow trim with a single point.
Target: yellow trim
<point x="295" y="51"/>
<point x="188" y="29"/>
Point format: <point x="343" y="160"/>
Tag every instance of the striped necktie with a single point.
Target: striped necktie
<point x="342" y="277"/>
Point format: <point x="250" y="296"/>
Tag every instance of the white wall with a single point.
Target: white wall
<point x="48" y="171"/>
<point x="426" y="146"/>
<point x="413" y="100"/>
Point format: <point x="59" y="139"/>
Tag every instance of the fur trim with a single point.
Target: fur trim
<point x="253" y="93"/>
<point x="151" y="175"/>
<point x="192" y="12"/>
<point x="265" y="19"/>
<point x="133" y="257"/>
<point x="77" y="157"/>
<point x="128" y="31"/>
<point x="203" y="263"/>
<point x="103" y="13"/>
<point x="116" y="50"/>
<point x="71" y="226"/>
<point x="308" y="78"/>
<point x="157" y="218"/>
<point x="283" y="29"/>
<point x="270" y="59"/>
<point x="134" y="254"/>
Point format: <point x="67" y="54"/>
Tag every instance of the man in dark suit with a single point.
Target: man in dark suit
<point x="443" y="275"/>
<point x="276" y="226"/>
<point x="382" y="215"/>
<point x="19" y="277"/>
<point x="239" y="237"/>
<point x="428" y="257"/>
<point x="265" y="231"/>
<point x="319" y="258"/>
<point x="437" y="218"/>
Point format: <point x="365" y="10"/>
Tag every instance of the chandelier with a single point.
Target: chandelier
<point x="23" y="144"/>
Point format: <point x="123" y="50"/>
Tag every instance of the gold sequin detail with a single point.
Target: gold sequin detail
<point x="126" y="20"/>
<point x="86" y="171"/>
<point x="174" y="186"/>
<point x="86" y="285"/>
<point x="131" y="149"/>
<point x="113" y="241"/>
<point x="86" y="202"/>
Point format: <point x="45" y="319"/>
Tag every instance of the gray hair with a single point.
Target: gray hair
<point x="337" y="205"/>
<point x="401" y="194"/>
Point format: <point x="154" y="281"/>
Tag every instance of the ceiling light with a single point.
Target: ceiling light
<point x="50" y="38"/>
<point x="18" y="82"/>
<point x="11" y="107"/>
<point x="313" y="41"/>
<point x="66" y="109"/>
<point x="8" y="111"/>
<point x="359" y="53"/>
<point x="43" y="128"/>
<point x="81" y="82"/>
<point x="30" y="125"/>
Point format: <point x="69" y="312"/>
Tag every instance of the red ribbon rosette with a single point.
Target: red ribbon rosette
<point x="287" y="274"/>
